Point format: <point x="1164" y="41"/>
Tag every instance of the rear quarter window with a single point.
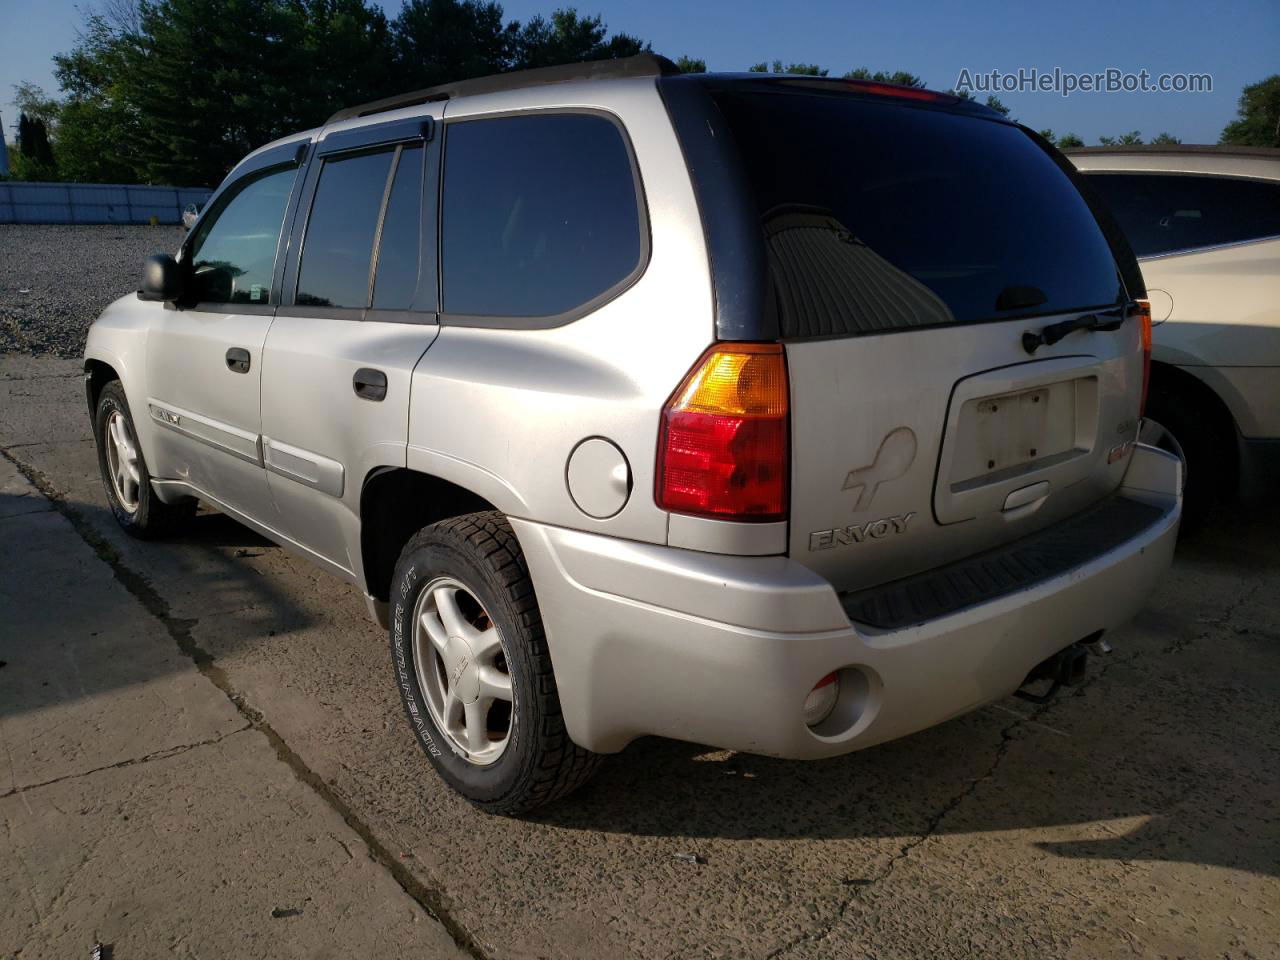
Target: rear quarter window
<point x="1170" y="212"/>
<point x="880" y="217"/>
<point x="541" y="215"/>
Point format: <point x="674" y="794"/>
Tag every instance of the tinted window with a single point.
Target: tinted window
<point x="338" y="247"/>
<point x="879" y="216"/>
<point x="1160" y="213"/>
<point x="233" y="252"/>
<point x="397" y="272"/>
<point x="540" y="214"/>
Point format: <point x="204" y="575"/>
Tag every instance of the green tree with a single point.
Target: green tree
<point x="691" y="65"/>
<point x="177" y="91"/>
<point x="993" y="102"/>
<point x="436" y="41"/>
<point x="34" y="158"/>
<point x="802" y="69"/>
<point x="568" y="37"/>
<point x="209" y="80"/>
<point x="98" y="131"/>
<point x="1068" y="140"/>
<point x="998" y="105"/>
<point x="1132" y="138"/>
<point x="346" y="54"/>
<point x="902" y="77"/>
<point x="1258" y="116"/>
<point x="1165" y="139"/>
<point x="31" y="99"/>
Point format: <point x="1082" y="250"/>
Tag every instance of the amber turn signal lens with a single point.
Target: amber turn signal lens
<point x="749" y="380"/>
<point x="1142" y="310"/>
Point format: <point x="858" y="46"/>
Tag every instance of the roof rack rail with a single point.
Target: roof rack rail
<point x="643" y="65"/>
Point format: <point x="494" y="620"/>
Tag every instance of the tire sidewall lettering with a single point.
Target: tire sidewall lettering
<point x="403" y="658"/>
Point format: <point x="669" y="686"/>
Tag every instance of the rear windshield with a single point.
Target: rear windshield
<point x="880" y="217"/>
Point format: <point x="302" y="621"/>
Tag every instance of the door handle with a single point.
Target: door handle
<point x="370" y="384"/>
<point x="238" y="360"/>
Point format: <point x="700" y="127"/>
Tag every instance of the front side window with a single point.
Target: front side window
<point x="540" y="217"/>
<point x="233" y="252"/>
<point x="1165" y="213"/>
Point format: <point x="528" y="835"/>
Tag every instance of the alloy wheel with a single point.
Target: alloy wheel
<point x="122" y="461"/>
<point x="462" y="670"/>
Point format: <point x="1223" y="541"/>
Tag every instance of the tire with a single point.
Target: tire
<point x="136" y="507"/>
<point x="518" y="755"/>
<point x="1208" y="457"/>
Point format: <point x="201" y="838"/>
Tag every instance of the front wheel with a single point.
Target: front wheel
<point x="473" y="669"/>
<point x="124" y="472"/>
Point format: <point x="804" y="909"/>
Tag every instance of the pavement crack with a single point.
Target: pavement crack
<point x="180" y="630"/>
<point x="934" y="823"/>
<point x="1178" y="644"/>
<point x="47" y="443"/>
<point x="121" y="764"/>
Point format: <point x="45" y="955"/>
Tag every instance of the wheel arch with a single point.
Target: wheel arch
<point x="1178" y="383"/>
<point x="97" y="374"/>
<point x="397" y="502"/>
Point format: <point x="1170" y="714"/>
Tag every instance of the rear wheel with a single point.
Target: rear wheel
<point x="473" y="669"/>
<point x="124" y="472"/>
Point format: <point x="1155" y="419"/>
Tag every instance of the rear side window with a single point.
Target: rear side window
<point x="233" y="253"/>
<point x="541" y="215"/>
<point x="880" y="217"/>
<point x="396" y="279"/>
<point x="1165" y="213"/>
<point x="338" y="248"/>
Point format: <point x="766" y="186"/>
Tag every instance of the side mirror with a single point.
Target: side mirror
<point x="161" y="278"/>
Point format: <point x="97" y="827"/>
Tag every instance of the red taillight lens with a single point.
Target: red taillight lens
<point x="1142" y="310"/>
<point x="723" y="448"/>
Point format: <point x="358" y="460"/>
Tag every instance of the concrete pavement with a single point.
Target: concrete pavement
<point x="1134" y="817"/>
<point x="141" y="808"/>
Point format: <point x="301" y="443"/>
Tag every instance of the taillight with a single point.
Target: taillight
<point x="1142" y="310"/>
<point x="723" y="448"/>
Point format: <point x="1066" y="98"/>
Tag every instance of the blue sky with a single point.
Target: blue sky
<point x="1234" y="41"/>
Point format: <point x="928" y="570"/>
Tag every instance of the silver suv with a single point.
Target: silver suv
<point x="784" y="414"/>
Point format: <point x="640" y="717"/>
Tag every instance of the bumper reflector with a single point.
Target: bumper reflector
<point x="821" y="700"/>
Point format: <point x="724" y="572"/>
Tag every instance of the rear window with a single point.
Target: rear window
<point x="880" y="217"/>
<point x="1165" y="213"/>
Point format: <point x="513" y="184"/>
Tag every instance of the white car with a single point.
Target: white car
<point x="1205" y="224"/>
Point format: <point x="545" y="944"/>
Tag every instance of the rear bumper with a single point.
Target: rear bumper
<point x="722" y="650"/>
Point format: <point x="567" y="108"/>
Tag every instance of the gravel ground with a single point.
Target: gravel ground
<point x="40" y="311"/>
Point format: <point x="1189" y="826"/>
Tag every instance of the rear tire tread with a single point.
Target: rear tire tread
<point x="563" y="765"/>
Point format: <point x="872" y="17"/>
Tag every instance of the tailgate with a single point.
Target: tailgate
<point x="912" y="450"/>
<point x="910" y="247"/>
